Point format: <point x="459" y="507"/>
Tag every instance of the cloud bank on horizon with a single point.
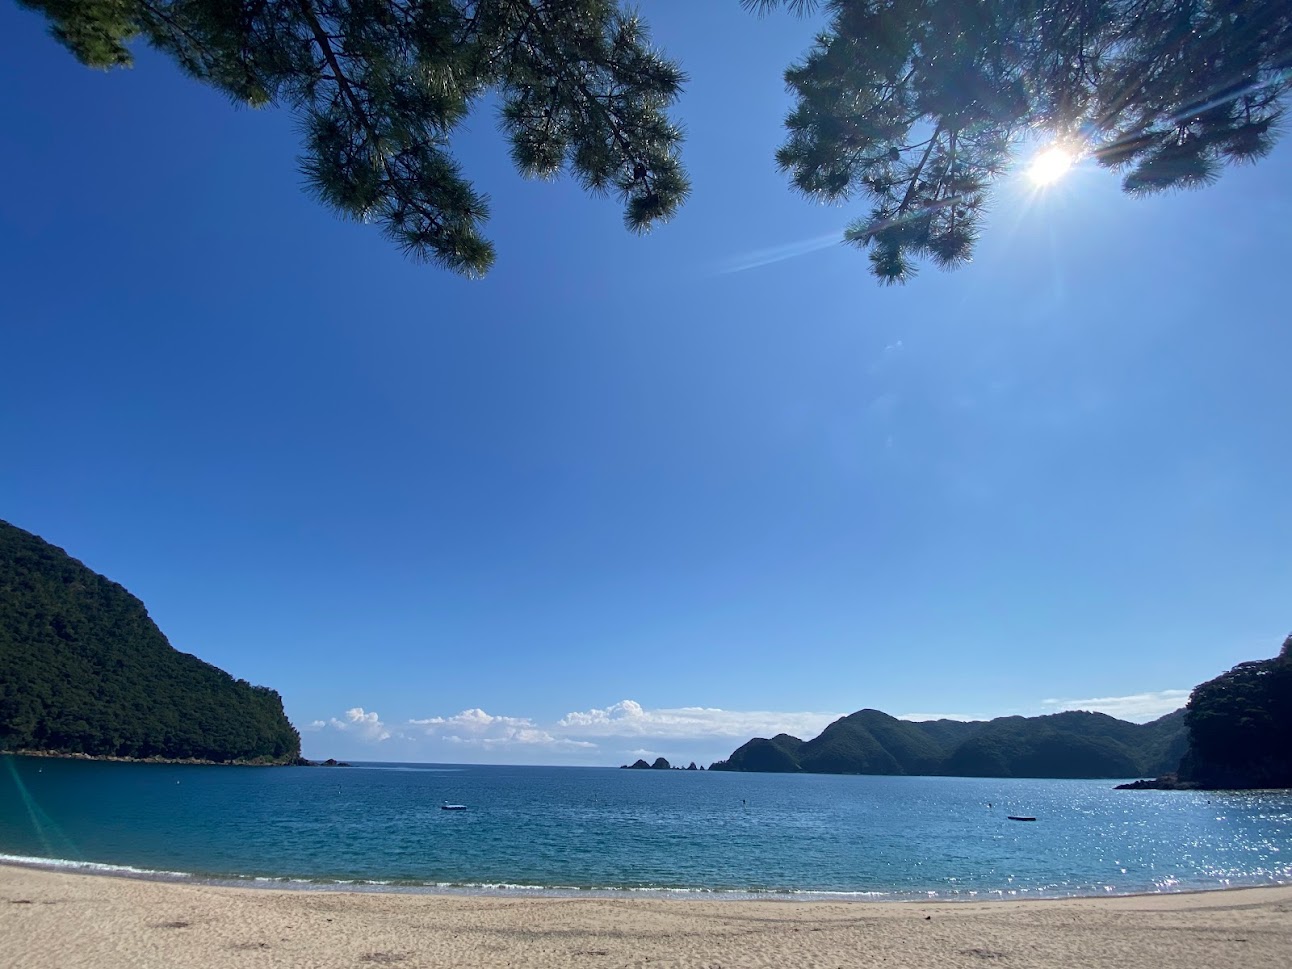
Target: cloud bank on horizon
<point x="620" y="729"/>
<point x="628" y="729"/>
<point x="1140" y="707"/>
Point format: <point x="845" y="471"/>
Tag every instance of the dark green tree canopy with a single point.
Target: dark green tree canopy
<point x="1240" y="726"/>
<point x="918" y="104"/>
<point x="83" y="669"/>
<point x="380" y="85"/>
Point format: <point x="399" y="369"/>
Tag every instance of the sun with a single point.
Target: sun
<point x="1050" y="165"/>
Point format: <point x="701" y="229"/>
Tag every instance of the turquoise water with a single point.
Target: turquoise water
<point x="575" y="829"/>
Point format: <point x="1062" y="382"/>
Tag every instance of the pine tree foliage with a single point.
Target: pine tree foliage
<point x="380" y="86"/>
<point x="918" y="104"/>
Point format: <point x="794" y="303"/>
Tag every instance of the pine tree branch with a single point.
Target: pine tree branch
<point x="346" y="90"/>
<point x="915" y="176"/>
<point x="592" y="100"/>
<point x="158" y="13"/>
<point x="324" y="41"/>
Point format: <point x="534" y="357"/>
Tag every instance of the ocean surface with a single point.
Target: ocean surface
<point x="566" y="830"/>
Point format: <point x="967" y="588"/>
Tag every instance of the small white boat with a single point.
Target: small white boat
<point x="446" y="806"/>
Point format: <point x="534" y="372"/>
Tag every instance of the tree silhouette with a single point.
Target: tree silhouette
<point x="919" y="104"/>
<point x="916" y="104"/>
<point x="380" y="85"/>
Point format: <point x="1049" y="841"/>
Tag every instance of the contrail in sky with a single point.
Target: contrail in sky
<point x="764" y="257"/>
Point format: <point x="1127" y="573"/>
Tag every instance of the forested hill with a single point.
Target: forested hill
<point x="84" y="670"/>
<point x="1059" y="745"/>
<point x="1240" y="725"/>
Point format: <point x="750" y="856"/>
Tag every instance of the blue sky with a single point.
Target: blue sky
<point x="628" y="495"/>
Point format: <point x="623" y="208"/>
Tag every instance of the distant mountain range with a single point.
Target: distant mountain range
<point x="1235" y="733"/>
<point x="1059" y="745"/>
<point x="84" y="670"/>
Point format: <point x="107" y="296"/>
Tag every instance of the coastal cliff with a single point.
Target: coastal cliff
<point x="85" y="671"/>
<point x="1240" y="727"/>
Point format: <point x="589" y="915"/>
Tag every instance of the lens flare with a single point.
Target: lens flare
<point x="1050" y="165"/>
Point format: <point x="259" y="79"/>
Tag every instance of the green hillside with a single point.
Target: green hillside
<point x="776" y="756"/>
<point x="1165" y="740"/>
<point x="949" y="734"/>
<point x="83" y="669"/>
<point x="1240" y="726"/>
<point x="1060" y="745"/>
<point x="871" y="742"/>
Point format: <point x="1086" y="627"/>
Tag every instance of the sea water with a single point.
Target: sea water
<point x="566" y="830"/>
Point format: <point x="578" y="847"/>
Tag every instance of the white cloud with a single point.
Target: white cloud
<point x="474" y="721"/>
<point x="475" y="727"/>
<point x="619" y="725"/>
<point x="1137" y="706"/>
<point x="472" y="727"/>
<point x="681" y="733"/>
<point x="522" y="738"/>
<point x="359" y="723"/>
<point x="622" y="712"/>
<point x="628" y="718"/>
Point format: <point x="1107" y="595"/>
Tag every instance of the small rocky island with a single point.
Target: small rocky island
<point x="1167" y="782"/>
<point x="660" y="764"/>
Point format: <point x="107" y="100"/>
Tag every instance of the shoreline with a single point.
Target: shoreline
<point x="61" y="919"/>
<point x="290" y="884"/>
<point x="1166" y="782"/>
<point x="181" y="761"/>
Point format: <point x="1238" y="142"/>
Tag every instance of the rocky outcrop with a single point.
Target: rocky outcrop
<point x="660" y="764"/>
<point x="1167" y="782"/>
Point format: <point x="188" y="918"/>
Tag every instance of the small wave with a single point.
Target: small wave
<point x="427" y="887"/>
<point x="71" y="864"/>
<point x="411" y="886"/>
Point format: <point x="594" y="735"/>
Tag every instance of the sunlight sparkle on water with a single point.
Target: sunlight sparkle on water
<point x="1050" y="165"/>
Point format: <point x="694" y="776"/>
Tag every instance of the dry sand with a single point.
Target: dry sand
<point x="63" y="920"/>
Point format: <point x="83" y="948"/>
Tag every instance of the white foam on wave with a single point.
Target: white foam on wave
<point x="92" y="866"/>
<point x="161" y="874"/>
<point x="287" y="882"/>
<point x="290" y="883"/>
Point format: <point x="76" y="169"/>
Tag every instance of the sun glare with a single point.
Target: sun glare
<point x="1050" y="165"/>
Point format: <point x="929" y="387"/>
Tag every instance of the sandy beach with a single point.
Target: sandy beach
<point x="67" y="920"/>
